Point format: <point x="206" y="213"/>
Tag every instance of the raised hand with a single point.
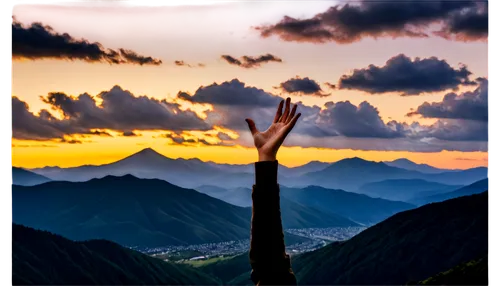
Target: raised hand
<point x="269" y="141"/>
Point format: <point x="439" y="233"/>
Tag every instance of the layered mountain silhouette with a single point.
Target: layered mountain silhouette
<point x="145" y="212"/>
<point x="348" y="174"/>
<point x="42" y="258"/>
<point x="405" y="189"/>
<point x="312" y="166"/>
<point x="475" y="188"/>
<point x="313" y="199"/>
<point x="404" y="163"/>
<point x="23" y="177"/>
<point x="409" y="246"/>
<point x="351" y="174"/>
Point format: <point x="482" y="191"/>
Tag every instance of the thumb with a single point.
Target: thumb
<point x="251" y="126"/>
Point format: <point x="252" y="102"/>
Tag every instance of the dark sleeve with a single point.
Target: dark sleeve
<point x="270" y="263"/>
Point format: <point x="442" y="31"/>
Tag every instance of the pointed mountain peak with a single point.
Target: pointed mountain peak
<point x="148" y="150"/>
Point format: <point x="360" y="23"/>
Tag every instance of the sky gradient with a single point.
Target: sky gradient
<point x="363" y="93"/>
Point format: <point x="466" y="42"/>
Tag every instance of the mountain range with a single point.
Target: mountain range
<point x="351" y="174"/>
<point x="145" y="212"/>
<point x="347" y="174"/>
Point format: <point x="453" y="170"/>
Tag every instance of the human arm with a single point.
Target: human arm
<point x="269" y="261"/>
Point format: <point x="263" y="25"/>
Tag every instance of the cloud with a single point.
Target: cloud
<point x="224" y="136"/>
<point x="181" y="63"/>
<point x="408" y="77"/>
<point x="28" y="126"/>
<point x="471" y="105"/>
<point x="302" y="86"/>
<point x="207" y="139"/>
<point x="331" y="85"/>
<point x="251" y="62"/>
<point x="119" y="110"/>
<point x="469" y="25"/>
<point x="37" y="41"/>
<point x="461" y="117"/>
<point x="130" y="134"/>
<point x="348" y="23"/>
<point x="232" y="93"/>
<point x="341" y="125"/>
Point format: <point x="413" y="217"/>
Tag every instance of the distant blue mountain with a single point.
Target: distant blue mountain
<point x="404" y="163"/>
<point x="23" y="177"/>
<point x="350" y="174"/>
<point x="404" y="189"/>
<point x="475" y="188"/>
<point x="312" y="166"/>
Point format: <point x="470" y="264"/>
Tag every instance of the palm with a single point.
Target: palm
<point x="270" y="137"/>
<point x="269" y="141"/>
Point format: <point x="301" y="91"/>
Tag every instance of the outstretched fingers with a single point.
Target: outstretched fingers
<point x="251" y="126"/>
<point x="292" y="114"/>
<point x="278" y="112"/>
<point x="291" y="124"/>
<point x="284" y="117"/>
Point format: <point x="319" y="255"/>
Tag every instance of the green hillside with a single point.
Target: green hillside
<point x="409" y="246"/>
<point x="39" y="257"/>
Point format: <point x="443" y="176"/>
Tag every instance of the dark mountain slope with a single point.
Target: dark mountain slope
<point x="42" y="258"/>
<point x="130" y="211"/>
<point x="474" y="272"/>
<point x="409" y="246"/>
<point x="23" y="177"/>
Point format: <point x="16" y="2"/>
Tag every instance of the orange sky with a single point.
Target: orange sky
<point x="200" y="35"/>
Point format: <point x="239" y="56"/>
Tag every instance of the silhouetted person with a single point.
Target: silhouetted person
<point x="270" y="263"/>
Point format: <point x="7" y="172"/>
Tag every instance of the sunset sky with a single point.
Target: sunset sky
<point x="377" y="80"/>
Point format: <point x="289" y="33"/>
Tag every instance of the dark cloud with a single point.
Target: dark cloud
<point x="471" y="105"/>
<point x="26" y="125"/>
<point x="469" y="25"/>
<point x="251" y="62"/>
<point x="130" y="134"/>
<point x="331" y="85"/>
<point x="232" y="93"/>
<point x="119" y="110"/>
<point x="184" y="64"/>
<point x="37" y="41"/>
<point x="407" y="76"/>
<point x="223" y="136"/>
<point x="302" y="86"/>
<point x="347" y="23"/>
<point x="337" y="125"/>
<point x="456" y="130"/>
<point x="181" y="139"/>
